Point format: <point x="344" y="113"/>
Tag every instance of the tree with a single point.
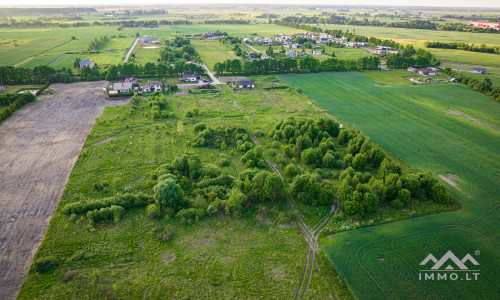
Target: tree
<point x="439" y="194"/>
<point x="76" y="64"/>
<point x="234" y="202"/>
<point x="359" y="162"/>
<point x="269" y="51"/>
<point x="274" y="187"/>
<point x="291" y="170"/>
<point x="168" y="194"/>
<point x="404" y="196"/>
<point x="328" y="161"/>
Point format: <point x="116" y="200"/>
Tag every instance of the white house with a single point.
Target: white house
<point x="147" y="39"/>
<point x="86" y="63"/>
<point x="316" y="52"/>
<point x="290" y="53"/>
<point x="246" y="84"/>
<point x="427" y="72"/>
<point x="190" y="77"/>
<point x="122" y="87"/>
<point x="412" y="69"/>
<point x="152" y="86"/>
<point x="257" y="40"/>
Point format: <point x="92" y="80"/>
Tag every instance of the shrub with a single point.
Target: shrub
<point x="439" y="194"/>
<point x="44" y="265"/>
<point x="223" y="162"/>
<point x="199" y="127"/>
<point x="397" y="204"/>
<point x="291" y="170"/>
<point x="210" y="171"/>
<point x="328" y="161"/>
<point x="404" y="196"/>
<point x="153" y="211"/>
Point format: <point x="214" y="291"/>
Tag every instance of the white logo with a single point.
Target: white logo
<point x="450" y="263"/>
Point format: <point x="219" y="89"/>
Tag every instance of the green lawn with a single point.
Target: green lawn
<point x="212" y="52"/>
<point x="411" y="122"/>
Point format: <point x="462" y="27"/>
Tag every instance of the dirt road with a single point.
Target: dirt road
<point x="130" y="50"/>
<point x="39" y="145"/>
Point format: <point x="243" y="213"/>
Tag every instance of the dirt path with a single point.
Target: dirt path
<point x="452" y="179"/>
<point x="310" y="235"/>
<point x="130" y="50"/>
<point x="55" y="60"/>
<point x="484" y="123"/>
<point x="24" y="61"/>
<point x="39" y="145"/>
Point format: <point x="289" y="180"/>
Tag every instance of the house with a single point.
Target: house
<point x="147" y="39"/>
<point x="86" y="63"/>
<point x="152" y="86"/>
<point x="412" y="69"/>
<point x="268" y="41"/>
<point x="132" y="80"/>
<point x="257" y="40"/>
<point x="297" y="46"/>
<point x="246" y="84"/>
<point x="246" y="40"/>
<point x="427" y="72"/>
<point x="492" y="25"/>
<point x="122" y="87"/>
<point x="479" y="70"/>
<point x="2" y="89"/>
<point x="316" y="52"/>
<point x="208" y="35"/>
<point x="190" y="77"/>
<point x="290" y="53"/>
<point x="288" y="42"/>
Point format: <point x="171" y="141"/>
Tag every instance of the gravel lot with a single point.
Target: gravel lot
<point x="39" y="145"/>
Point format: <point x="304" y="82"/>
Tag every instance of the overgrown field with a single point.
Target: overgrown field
<point x="212" y="52"/>
<point x="446" y="128"/>
<point x="258" y="255"/>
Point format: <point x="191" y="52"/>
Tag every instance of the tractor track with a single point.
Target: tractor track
<point x="311" y="235"/>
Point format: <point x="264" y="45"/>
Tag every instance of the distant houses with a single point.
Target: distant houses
<point x="86" y="63"/>
<point x="190" y="77"/>
<point x="479" y="70"/>
<point x="246" y="84"/>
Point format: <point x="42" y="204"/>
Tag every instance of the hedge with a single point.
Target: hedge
<point x="126" y="200"/>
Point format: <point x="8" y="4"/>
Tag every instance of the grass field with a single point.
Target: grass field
<point x="414" y="123"/>
<point x="41" y="60"/>
<point x="221" y="257"/>
<point x="212" y="52"/>
<point x="467" y="57"/>
<point x="238" y="30"/>
<point x="418" y="36"/>
<point x="143" y="56"/>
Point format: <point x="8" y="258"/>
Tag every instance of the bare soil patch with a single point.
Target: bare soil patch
<point x="231" y="78"/>
<point x="39" y="145"/>
<point x="484" y="123"/>
<point x="452" y="180"/>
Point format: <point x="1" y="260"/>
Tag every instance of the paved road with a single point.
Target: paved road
<point x="39" y="145"/>
<point x="131" y="49"/>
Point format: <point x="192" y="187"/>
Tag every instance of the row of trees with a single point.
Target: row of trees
<point x="463" y="46"/>
<point x="421" y="59"/>
<point x="486" y="86"/>
<point x="98" y="42"/>
<point x="290" y="65"/>
<point x="115" y="72"/>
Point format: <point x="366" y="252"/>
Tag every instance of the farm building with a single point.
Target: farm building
<point x="147" y="39"/>
<point x="492" y="25"/>
<point x="122" y="87"/>
<point x="427" y="71"/>
<point x="412" y="69"/>
<point x="190" y="77"/>
<point x="257" y="40"/>
<point x="316" y="52"/>
<point x="152" y="86"/>
<point x="290" y="53"/>
<point x="86" y="63"/>
<point x="479" y="70"/>
<point x="246" y="84"/>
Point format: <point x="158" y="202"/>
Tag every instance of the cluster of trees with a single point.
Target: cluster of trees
<point x="219" y="138"/>
<point x="178" y="49"/>
<point x="190" y="190"/>
<point x="229" y="21"/>
<point x="463" y="46"/>
<point x="13" y="103"/>
<point x="486" y="86"/>
<point x="98" y="42"/>
<point x="290" y="65"/>
<point x="411" y="58"/>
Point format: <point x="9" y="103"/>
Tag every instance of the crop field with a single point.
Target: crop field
<point x="212" y="52"/>
<point x="419" y="35"/>
<point x="145" y="55"/>
<point x="467" y="57"/>
<point x="237" y="30"/>
<point x="41" y="60"/>
<point x="128" y="260"/>
<point x="446" y="128"/>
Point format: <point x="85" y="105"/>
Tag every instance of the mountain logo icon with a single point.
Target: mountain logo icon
<point x="450" y="260"/>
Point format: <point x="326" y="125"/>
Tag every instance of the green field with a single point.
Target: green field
<point x="467" y="57"/>
<point x="212" y="52"/>
<point x="223" y="257"/>
<point x="238" y="30"/>
<point x="419" y="35"/>
<point x="414" y="123"/>
<point x="143" y="56"/>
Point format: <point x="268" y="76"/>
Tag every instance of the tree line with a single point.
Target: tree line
<point x="13" y="103"/>
<point x="290" y="65"/>
<point x="462" y="46"/>
<point x="486" y="86"/>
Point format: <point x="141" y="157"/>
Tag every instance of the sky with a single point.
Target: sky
<point x="441" y="3"/>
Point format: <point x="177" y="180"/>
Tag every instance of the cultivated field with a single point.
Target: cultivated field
<point x="446" y="128"/>
<point x="212" y="52"/>
<point x="39" y="145"/>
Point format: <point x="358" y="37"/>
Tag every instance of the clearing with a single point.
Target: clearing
<point x="39" y="145"/>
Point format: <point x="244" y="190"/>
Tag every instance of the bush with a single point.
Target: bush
<point x="199" y="127"/>
<point x="153" y="211"/>
<point x="291" y="170"/>
<point x="125" y="200"/>
<point x="404" y="196"/>
<point x="44" y="265"/>
<point x="210" y="171"/>
<point x="329" y="161"/>
<point x="107" y="213"/>
<point x="223" y="162"/>
<point x="439" y="194"/>
<point x="397" y="204"/>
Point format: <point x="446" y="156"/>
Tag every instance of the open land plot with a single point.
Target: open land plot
<point x="467" y="57"/>
<point x="41" y="60"/>
<point x="236" y="30"/>
<point x="414" y="123"/>
<point x="143" y="56"/>
<point x="39" y="145"/>
<point x="419" y="35"/>
<point x="212" y="52"/>
<point x="210" y="257"/>
<point x="493" y="73"/>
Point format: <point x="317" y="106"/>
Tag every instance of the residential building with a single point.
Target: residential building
<point x="316" y="52"/>
<point x="257" y="40"/>
<point x="290" y="53"/>
<point x="246" y="84"/>
<point x="147" y="39"/>
<point x="132" y="80"/>
<point x="479" y="70"/>
<point x="297" y="46"/>
<point x="427" y="72"/>
<point x="190" y="77"/>
<point x="86" y="63"/>
<point x="122" y="87"/>
<point x="492" y="25"/>
<point x="412" y="69"/>
<point x="152" y="86"/>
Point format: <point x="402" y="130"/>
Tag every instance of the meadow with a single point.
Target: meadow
<point x="247" y="257"/>
<point x="212" y="52"/>
<point x="420" y="125"/>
